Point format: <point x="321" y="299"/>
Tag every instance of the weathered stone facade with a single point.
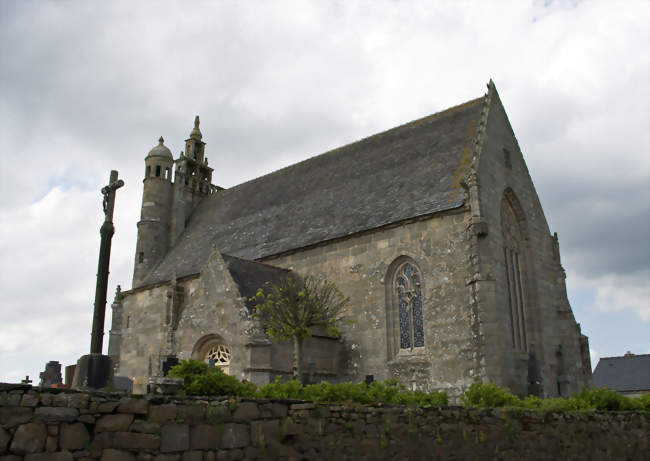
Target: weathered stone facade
<point x="63" y="426"/>
<point x="433" y="229"/>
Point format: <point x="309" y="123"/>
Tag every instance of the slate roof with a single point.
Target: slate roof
<point x="627" y="373"/>
<point x="251" y="275"/>
<point x="409" y="171"/>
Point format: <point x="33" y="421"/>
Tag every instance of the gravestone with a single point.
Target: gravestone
<point x="69" y="374"/>
<point x="51" y="375"/>
<point x="122" y="383"/>
<point x="169" y="362"/>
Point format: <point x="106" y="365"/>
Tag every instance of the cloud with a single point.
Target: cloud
<point x="617" y="292"/>
<point x="49" y="261"/>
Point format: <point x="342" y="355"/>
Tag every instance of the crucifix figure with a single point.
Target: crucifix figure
<point x="106" y="231"/>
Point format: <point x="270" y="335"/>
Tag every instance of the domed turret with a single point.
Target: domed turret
<point x="160" y="151"/>
<point x="159" y="162"/>
<point x="153" y="227"/>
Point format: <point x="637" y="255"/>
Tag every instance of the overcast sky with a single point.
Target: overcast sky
<point x="86" y="87"/>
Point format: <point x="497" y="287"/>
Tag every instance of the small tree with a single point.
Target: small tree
<point x="291" y="308"/>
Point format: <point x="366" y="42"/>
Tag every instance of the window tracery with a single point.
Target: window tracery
<point x="219" y="354"/>
<point x="407" y="289"/>
<point x="213" y="349"/>
<point x="513" y="254"/>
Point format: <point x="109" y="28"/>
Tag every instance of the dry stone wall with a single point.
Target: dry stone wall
<point x="53" y="425"/>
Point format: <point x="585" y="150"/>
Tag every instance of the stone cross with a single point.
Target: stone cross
<point x="26" y="380"/>
<point x="106" y="231"/>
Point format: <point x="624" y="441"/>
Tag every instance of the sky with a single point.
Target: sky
<point x="86" y="87"/>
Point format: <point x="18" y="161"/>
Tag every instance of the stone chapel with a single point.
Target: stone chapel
<point x="433" y="229"/>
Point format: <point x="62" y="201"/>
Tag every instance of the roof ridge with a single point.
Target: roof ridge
<point x="625" y="356"/>
<point x="429" y="117"/>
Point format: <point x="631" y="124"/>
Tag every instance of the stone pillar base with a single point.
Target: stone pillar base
<point x="93" y="371"/>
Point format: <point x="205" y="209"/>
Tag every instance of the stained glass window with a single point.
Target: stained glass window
<point x="408" y="288"/>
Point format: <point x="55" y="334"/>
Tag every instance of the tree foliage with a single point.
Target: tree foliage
<point x="292" y="308"/>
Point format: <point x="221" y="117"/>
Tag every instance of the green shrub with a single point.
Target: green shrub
<point x="281" y="390"/>
<point x="199" y="379"/>
<point x="422" y="399"/>
<point x="189" y="371"/>
<point x="387" y="392"/>
<point x="488" y="395"/>
<point x="644" y="402"/>
<point x="603" y="399"/>
<point x="552" y="403"/>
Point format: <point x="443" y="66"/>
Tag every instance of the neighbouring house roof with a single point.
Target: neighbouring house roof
<point x="409" y="171"/>
<point x="251" y="275"/>
<point x="627" y="373"/>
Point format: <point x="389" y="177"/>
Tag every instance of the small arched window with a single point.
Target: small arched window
<point x="219" y="356"/>
<point x="147" y="172"/>
<point x="213" y="349"/>
<point x="157" y="171"/>
<point x="405" y="321"/>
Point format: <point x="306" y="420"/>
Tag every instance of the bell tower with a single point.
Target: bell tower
<point x="153" y="227"/>
<point x="192" y="181"/>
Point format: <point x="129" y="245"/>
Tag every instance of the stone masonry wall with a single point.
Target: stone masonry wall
<point x="549" y="320"/>
<point x="156" y="328"/>
<point x="360" y="267"/>
<point x="53" y="425"/>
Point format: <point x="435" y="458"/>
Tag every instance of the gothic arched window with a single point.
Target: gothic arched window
<point x="514" y="263"/>
<point x="405" y="323"/>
